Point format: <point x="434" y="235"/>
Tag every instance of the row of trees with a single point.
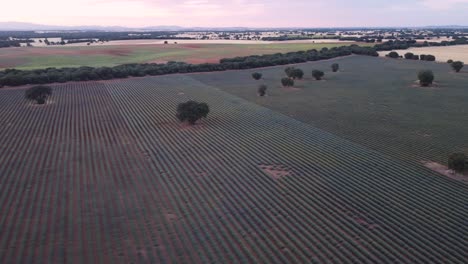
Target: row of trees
<point x="13" y="77"/>
<point x="411" y="56"/>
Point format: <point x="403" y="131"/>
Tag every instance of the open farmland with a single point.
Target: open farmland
<point x="105" y="174"/>
<point x="442" y="54"/>
<point x="372" y="101"/>
<point x="96" y="56"/>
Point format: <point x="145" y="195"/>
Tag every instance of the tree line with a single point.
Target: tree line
<point x="14" y="77"/>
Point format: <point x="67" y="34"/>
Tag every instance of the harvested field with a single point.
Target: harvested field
<point x="442" y="54"/>
<point x="112" y="55"/>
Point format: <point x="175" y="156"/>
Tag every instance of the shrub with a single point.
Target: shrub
<point x="192" y="111"/>
<point x="262" y="90"/>
<point x="256" y="75"/>
<point x="287" y="82"/>
<point x="450" y="61"/>
<point x="457" y="65"/>
<point x="416" y="57"/>
<point x="409" y="56"/>
<point x="38" y="93"/>
<point x="393" y="55"/>
<point x="335" y="67"/>
<point x="426" y="77"/>
<point x="422" y="57"/>
<point x="317" y="74"/>
<point x="457" y="162"/>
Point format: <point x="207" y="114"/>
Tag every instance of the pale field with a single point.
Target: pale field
<point x="442" y="54"/>
<point x="209" y="41"/>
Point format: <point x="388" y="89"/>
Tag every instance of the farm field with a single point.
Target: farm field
<point x="442" y="54"/>
<point x="96" y="56"/>
<point x="105" y="174"/>
<point x="371" y="101"/>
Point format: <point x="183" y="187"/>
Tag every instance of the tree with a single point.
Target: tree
<point x="450" y="61"/>
<point x="335" y="67"/>
<point x="393" y="55"/>
<point x="297" y="74"/>
<point x="289" y="71"/>
<point x="457" y="65"/>
<point x="430" y="58"/>
<point x="38" y="93"/>
<point x="256" y="75"/>
<point x="426" y="77"/>
<point x="317" y="74"/>
<point x="262" y="90"/>
<point x="409" y="56"/>
<point x="457" y="162"/>
<point x="192" y="111"/>
<point x="287" y="82"/>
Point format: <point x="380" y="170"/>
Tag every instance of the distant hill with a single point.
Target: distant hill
<point x="24" y="26"/>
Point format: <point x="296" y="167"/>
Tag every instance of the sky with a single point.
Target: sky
<point x="245" y="13"/>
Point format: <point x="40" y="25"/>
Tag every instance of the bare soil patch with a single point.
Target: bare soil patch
<point x="276" y="171"/>
<point x="444" y="170"/>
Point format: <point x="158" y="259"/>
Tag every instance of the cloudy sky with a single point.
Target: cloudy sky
<point x="253" y="13"/>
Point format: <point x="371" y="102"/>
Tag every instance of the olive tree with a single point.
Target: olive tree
<point x="457" y="65"/>
<point x="256" y="75"/>
<point x="457" y="162"/>
<point x="335" y="67"/>
<point x="287" y="82"/>
<point x="409" y="56"/>
<point x="38" y="93"/>
<point x="317" y="74"/>
<point x="393" y="55"/>
<point x="192" y="111"/>
<point x="262" y="90"/>
<point x="426" y="77"/>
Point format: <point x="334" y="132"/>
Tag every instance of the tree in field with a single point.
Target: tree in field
<point x="335" y="67"/>
<point x="297" y="74"/>
<point x="192" y="111"/>
<point x="457" y="65"/>
<point x="38" y="94"/>
<point x="450" y="61"/>
<point x="256" y="75"/>
<point x="289" y="71"/>
<point x="457" y="162"/>
<point x="294" y="73"/>
<point x="409" y="56"/>
<point x="317" y="74"/>
<point x="262" y="90"/>
<point x="393" y="55"/>
<point x="287" y="82"/>
<point x="426" y="77"/>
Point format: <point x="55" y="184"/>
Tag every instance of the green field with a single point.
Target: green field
<point x="104" y="173"/>
<point x="371" y="101"/>
<point x="28" y="58"/>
